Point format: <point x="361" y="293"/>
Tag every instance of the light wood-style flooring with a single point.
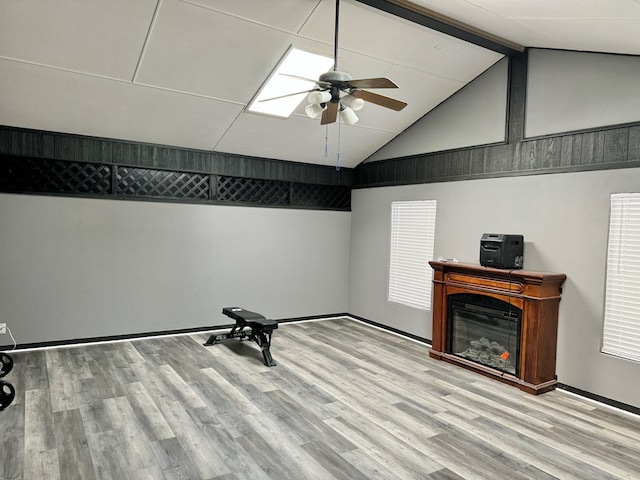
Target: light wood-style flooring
<point x="346" y="401"/>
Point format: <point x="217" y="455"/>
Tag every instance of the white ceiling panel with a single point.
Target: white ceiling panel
<point x="302" y="138"/>
<point x="194" y="49"/>
<point x="288" y="15"/>
<point x="49" y="99"/>
<point x="360" y="65"/>
<point x="484" y="19"/>
<point x="366" y="30"/>
<point x="601" y="35"/>
<point x="555" y="9"/>
<point x="102" y="38"/>
<point x="587" y="25"/>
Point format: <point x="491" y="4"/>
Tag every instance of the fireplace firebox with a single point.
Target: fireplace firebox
<point x="485" y="330"/>
<point x="497" y="322"/>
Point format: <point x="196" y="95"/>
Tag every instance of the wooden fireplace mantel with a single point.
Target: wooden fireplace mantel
<point x="537" y="294"/>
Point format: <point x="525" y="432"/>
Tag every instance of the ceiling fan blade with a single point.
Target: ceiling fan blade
<point x="373" y="83"/>
<point x="288" y="95"/>
<point x="330" y="114"/>
<point x="319" y="82"/>
<point x="381" y="100"/>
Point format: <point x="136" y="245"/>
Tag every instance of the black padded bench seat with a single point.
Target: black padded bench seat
<point x="260" y="330"/>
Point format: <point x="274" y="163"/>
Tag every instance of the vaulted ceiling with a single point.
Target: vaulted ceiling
<point x="181" y="72"/>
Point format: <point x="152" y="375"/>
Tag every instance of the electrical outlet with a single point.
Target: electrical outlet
<point x="3" y="328"/>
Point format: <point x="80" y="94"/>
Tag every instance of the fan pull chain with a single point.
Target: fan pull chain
<point x="338" y="154"/>
<point x="326" y="141"/>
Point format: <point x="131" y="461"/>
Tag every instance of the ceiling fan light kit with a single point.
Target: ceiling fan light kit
<point x="318" y="98"/>
<point x="314" y="110"/>
<point x="347" y="115"/>
<point x="353" y="102"/>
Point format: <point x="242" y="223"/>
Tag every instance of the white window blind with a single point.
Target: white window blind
<point x="621" y="336"/>
<point x="412" y="235"/>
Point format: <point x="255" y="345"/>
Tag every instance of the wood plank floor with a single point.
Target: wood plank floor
<point x="346" y="401"/>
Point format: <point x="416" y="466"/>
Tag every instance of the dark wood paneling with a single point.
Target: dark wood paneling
<point x="421" y="169"/>
<point x="616" y="142"/>
<point x="102" y="151"/>
<point x="570" y="150"/>
<point x="594" y="150"/>
<point x="64" y="148"/>
<point x="83" y="149"/>
<point x="161" y="169"/>
<point x="21" y="143"/>
<point x="633" y="151"/>
<point x="476" y="160"/>
<point x="5" y="141"/>
<point x="549" y="153"/>
<point x="51" y="145"/>
<point x="502" y="158"/>
<point x="517" y="96"/>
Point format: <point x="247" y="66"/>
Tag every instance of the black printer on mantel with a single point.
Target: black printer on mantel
<point x="499" y="250"/>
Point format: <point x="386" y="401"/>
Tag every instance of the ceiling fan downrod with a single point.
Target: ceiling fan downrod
<point x="335" y="39"/>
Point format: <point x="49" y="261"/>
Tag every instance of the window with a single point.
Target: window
<point x="412" y="234"/>
<point x="290" y="77"/>
<point x="621" y="335"/>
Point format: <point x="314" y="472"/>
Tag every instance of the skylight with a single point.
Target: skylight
<point x="296" y="62"/>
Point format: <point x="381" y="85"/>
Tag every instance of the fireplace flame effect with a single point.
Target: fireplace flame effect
<point x="488" y="353"/>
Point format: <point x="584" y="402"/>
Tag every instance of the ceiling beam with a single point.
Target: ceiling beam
<point x="447" y="25"/>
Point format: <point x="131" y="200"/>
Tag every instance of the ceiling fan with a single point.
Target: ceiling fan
<point x="337" y="92"/>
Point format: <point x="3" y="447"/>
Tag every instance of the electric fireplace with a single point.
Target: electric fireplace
<point x="484" y="330"/>
<point x="500" y="323"/>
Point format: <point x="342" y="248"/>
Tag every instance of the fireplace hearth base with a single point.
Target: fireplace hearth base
<point x="535" y="294"/>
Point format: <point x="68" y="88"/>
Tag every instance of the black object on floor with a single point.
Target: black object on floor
<point x="7" y="394"/>
<point x="6" y="364"/>
<point x="259" y="330"/>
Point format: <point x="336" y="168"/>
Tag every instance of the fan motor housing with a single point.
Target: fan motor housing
<point x="335" y="76"/>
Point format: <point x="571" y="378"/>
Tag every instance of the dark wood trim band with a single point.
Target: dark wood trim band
<point x="609" y="148"/>
<point x="61" y="146"/>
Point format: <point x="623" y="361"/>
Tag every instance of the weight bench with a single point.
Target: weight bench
<point x="260" y="330"/>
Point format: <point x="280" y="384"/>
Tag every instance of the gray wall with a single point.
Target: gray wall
<point x="577" y="90"/>
<point x="75" y="268"/>
<point x="475" y="115"/>
<point x="564" y="220"/>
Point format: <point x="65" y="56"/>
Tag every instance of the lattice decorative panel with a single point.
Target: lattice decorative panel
<point x="23" y="174"/>
<point x="252" y="190"/>
<point x="321" y="196"/>
<point x="159" y="183"/>
<point x="37" y="175"/>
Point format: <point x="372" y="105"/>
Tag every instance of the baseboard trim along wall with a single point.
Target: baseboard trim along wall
<point x="162" y="333"/>
<point x="74" y="342"/>
<point x="111" y="338"/>
<point x="390" y="329"/>
<point x="600" y="399"/>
